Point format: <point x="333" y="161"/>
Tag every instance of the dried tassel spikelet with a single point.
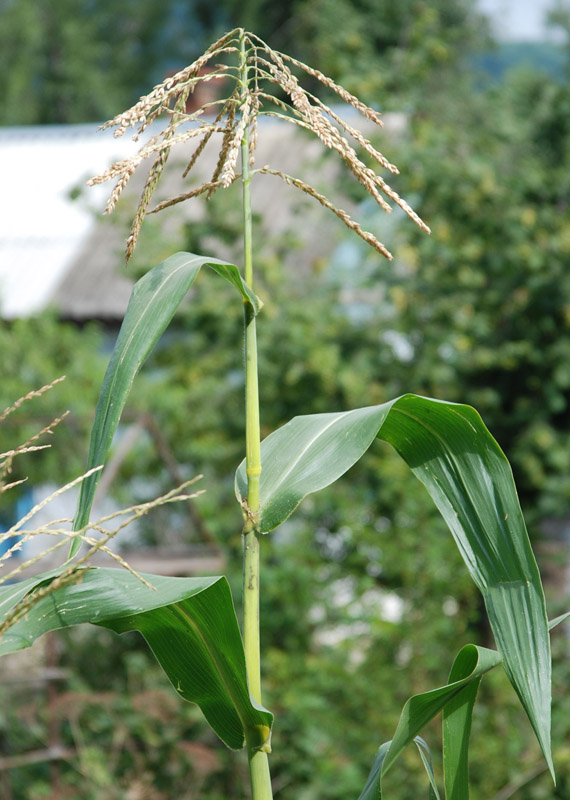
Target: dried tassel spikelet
<point x="357" y="135"/>
<point x="154" y="174"/>
<point x="163" y="91"/>
<point x="227" y="175"/>
<point x="343" y="93"/>
<point x="331" y="138"/>
<point x="152" y="146"/>
<point x="369" y="179"/>
<point x="5" y="487"/>
<point x="164" y="107"/>
<point x="276" y="101"/>
<point x="226" y="143"/>
<point x="150" y="186"/>
<point x="126" y="168"/>
<point x="7" y="458"/>
<point x="27" y="447"/>
<point x="30" y="396"/>
<point x="253" y="133"/>
<point x="209" y="187"/>
<point x="74" y="572"/>
<point x="340" y="213"/>
<point x="199" y="150"/>
<point x="126" y="175"/>
<point x="366" y="111"/>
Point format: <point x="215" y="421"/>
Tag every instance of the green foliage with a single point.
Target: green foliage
<point x="66" y="61"/>
<point x="35" y="351"/>
<point x="382" y="49"/>
<point x="69" y="61"/>
<point x="496" y="259"/>
<point x="127" y="727"/>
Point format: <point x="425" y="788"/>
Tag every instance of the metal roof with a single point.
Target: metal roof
<point x="41" y="228"/>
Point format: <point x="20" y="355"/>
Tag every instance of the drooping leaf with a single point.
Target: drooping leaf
<point x="373" y="787"/>
<point x="457" y="716"/>
<point x="450" y="450"/>
<point x="154" y="300"/>
<point x="189" y="623"/>
<point x="307" y="454"/>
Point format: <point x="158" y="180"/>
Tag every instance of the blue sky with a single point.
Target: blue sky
<point x="518" y="20"/>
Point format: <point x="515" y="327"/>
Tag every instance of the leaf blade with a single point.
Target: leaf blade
<point x="474" y="490"/>
<point x="154" y="300"/>
<point x="303" y="457"/>
<point x="456" y="726"/>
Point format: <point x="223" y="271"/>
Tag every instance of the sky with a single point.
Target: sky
<point x="518" y="20"/>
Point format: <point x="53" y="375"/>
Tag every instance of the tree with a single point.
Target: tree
<point x="70" y="61"/>
<point x="484" y="301"/>
<point x="67" y="61"/>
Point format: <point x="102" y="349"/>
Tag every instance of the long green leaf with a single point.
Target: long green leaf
<point x="450" y="450"/>
<point x="189" y="623"/>
<point x="425" y="755"/>
<point x="457" y="716"/>
<point x="373" y="787"/>
<point x="154" y="300"/>
<point x="469" y="667"/>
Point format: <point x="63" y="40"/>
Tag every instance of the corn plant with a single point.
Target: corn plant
<point x="190" y="623"/>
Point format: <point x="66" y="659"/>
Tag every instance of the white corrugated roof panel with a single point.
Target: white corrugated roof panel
<point x="41" y="227"/>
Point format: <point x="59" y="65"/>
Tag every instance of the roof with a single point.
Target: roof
<point x="41" y="228"/>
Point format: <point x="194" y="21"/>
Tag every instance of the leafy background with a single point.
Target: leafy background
<point x="365" y="600"/>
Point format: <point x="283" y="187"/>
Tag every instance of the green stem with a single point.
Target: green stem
<point x="258" y="762"/>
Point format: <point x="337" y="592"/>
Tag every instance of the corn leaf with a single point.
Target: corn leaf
<point x="154" y="300"/>
<point x="373" y="787"/>
<point x="189" y="623"/>
<point x="457" y="715"/>
<point x="450" y="450"/>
